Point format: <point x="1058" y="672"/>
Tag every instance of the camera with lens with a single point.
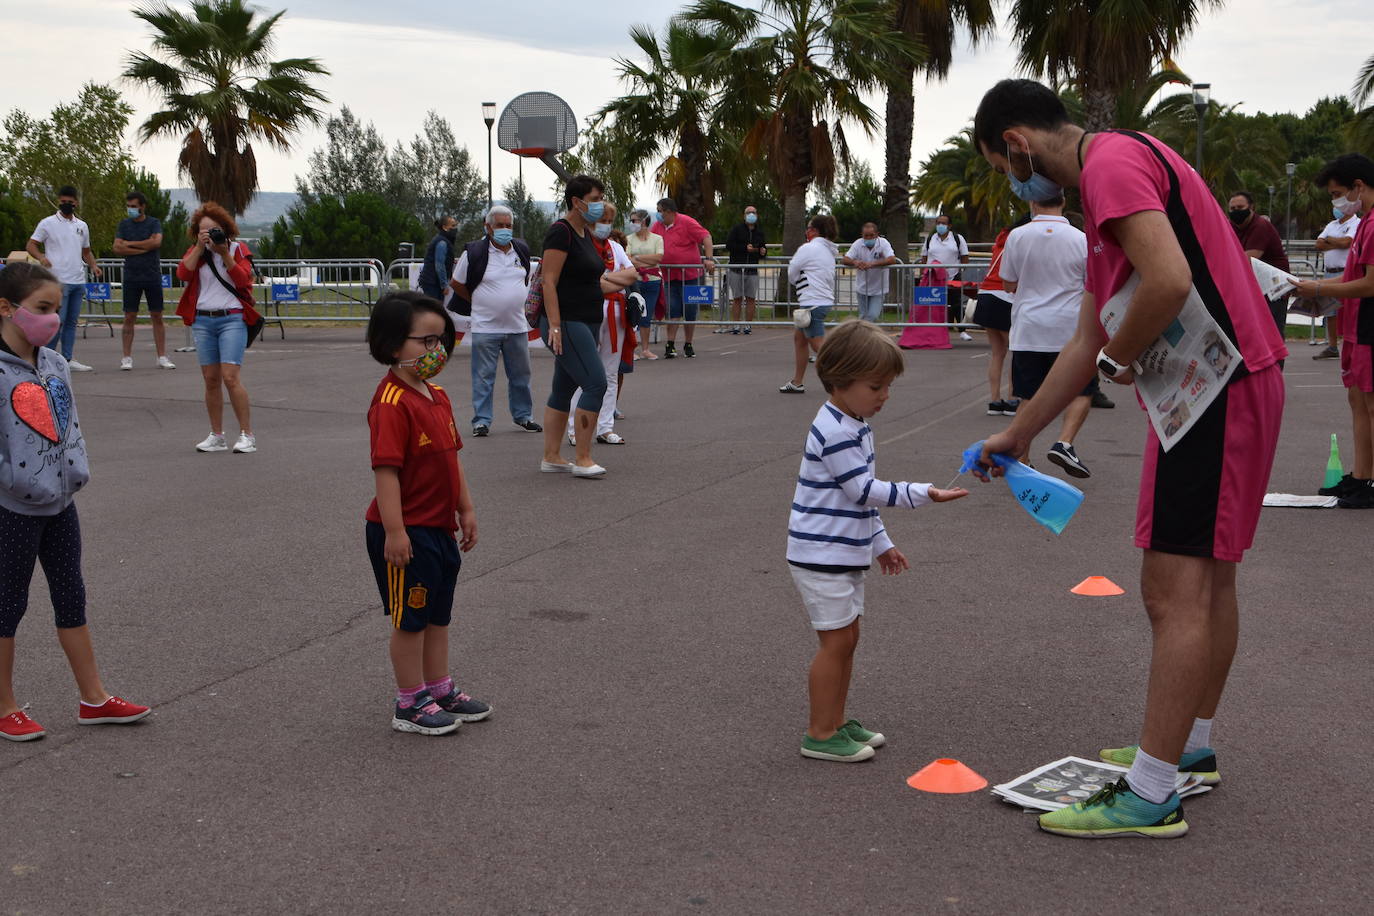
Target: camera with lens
<point x="217" y="236"/>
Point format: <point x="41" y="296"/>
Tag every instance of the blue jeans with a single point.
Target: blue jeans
<point x="220" y="340"/>
<point x="73" y="294"/>
<point x="870" y="305"/>
<point x="649" y="289"/>
<point x="579" y="366"/>
<point x="515" y="350"/>
<point x="676" y="306"/>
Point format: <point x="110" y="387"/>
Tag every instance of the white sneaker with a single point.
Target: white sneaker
<point x="965" y="335"/>
<point x="78" y="367"/>
<point x="213" y="443"/>
<point x="245" y="444"/>
<point x="165" y="363"/>
<point x="126" y="364"/>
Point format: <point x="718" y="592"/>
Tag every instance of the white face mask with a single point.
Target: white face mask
<point x="635" y="225"/>
<point x="1346" y="206"/>
<point x="602" y="230"/>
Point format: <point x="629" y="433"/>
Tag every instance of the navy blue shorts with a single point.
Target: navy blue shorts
<point x="1030" y="368"/>
<point x="419" y="594"/>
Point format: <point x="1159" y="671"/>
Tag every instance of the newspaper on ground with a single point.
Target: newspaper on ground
<point x="1293" y="501"/>
<point x="1073" y="779"/>
<point x="1181" y="373"/>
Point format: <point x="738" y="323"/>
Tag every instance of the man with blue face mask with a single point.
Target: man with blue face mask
<point x="139" y="240"/>
<point x="948" y="247"/>
<point x="746" y="245"/>
<point x="490" y="282"/>
<point x="870" y="255"/>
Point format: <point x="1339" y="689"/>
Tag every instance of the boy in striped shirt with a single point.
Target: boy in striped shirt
<point x="834" y="532"/>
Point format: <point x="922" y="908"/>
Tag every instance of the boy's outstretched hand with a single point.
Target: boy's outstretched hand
<point x="891" y="562"/>
<point x="943" y="496"/>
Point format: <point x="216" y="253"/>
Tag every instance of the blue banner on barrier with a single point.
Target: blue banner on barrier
<point x="98" y="292"/>
<point x="931" y="295"/>
<point x="698" y="295"/>
<point x="166" y="281"/>
<point x="286" y="292"/>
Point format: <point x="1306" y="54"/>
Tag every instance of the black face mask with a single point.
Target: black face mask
<point x="449" y="234"/>
<point x="67" y="208"/>
<point x="1238" y="216"/>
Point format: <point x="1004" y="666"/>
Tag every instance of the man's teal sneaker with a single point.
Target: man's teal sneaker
<point x="1115" y="810"/>
<point x="1202" y="761"/>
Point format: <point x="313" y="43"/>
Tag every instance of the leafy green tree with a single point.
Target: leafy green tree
<point x="353" y="159"/>
<point x="664" y="121"/>
<point x="433" y="176"/>
<point x="531" y="222"/>
<point x="854" y="200"/>
<point x="81" y="144"/>
<point x="221" y="91"/>
<point x="934" y="25"/>
<point x="797" y="72"/>
<point x="360" y="225"/>
<point x="14" y="230"/>
<point x="599" y="154"/>
<point x="1100" y="47"/>
<point x="752" y="190"/>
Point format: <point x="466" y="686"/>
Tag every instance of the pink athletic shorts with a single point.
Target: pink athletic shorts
<point x="1357" y="344"/>
<point x="1202" y="498"/>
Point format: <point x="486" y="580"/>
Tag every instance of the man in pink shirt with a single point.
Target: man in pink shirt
<point x="1147" y="212"/>
<point x="685" y="241"/>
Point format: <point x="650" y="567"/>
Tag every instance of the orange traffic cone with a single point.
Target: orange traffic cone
<point x="947" y="776"/>
<point x="1097" y="586"/>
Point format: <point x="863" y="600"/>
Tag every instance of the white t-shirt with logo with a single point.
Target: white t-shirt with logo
<point x="1047" y="259"/>
<point x="1333" y="259"/>
<point x="63" y="241"/>
<point x="947" y="250"/>
<point x="873" y="281"/>
<point x="498" y="302"/>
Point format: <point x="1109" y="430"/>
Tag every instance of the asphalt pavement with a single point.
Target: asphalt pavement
<point x="643" y="646"/>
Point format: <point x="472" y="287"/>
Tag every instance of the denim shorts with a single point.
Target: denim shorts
<point x="220" y="340"/>
<point x="817" y="326"/>
<point x="676" y="307"/>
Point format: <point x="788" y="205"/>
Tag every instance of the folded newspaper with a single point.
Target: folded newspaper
<point x="1181" y="373"/>
<point x="1275" y="283"/>
<point x="1073" y="779"/>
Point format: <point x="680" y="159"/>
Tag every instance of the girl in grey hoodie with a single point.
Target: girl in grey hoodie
<point x="42" y="465"/>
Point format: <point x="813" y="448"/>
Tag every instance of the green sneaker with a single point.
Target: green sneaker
<point x="1114" y="810"/>
<point x="839" y="747"/>
<point x="1202" y="761"/>
<point x="853" y="729"/>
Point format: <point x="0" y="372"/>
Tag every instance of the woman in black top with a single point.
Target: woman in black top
<point x="575" y="284"/>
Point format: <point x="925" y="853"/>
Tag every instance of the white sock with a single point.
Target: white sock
<point x="1151" y="779"/>
<point x="1200" y="736"/>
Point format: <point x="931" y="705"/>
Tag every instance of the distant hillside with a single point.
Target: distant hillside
<point x="267" y="206"/>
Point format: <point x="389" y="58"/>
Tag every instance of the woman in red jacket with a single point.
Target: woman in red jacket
<point x="218" y="304"/>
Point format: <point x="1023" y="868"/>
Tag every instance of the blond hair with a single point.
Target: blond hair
<point x="855" y="350"/>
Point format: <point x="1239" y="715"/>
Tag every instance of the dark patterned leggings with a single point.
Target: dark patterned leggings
<point x="55" y="542"/>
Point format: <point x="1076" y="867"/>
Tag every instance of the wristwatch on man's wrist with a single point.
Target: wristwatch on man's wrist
<point x="1108" y="366"/>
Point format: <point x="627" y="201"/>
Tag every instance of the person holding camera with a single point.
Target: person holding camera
<point x="217" y="303"/>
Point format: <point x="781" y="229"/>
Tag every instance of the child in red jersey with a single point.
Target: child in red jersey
<point x="421" y="511"/>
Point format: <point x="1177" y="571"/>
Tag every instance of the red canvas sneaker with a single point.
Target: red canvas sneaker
<point x="17" y="726"/>
<point x="113" y="711"/>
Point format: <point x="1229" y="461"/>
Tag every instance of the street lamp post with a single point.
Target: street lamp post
<point x="1290" y="168"/>
<point x="1202" y="95"/>
<point x="297" y="240"/>
<point x="489" y="116"/>
<point x="1270" y="214"/>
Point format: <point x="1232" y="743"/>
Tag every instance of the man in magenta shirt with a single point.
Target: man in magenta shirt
<point x="1147" y="212"/>
<point x="685" y="241"/>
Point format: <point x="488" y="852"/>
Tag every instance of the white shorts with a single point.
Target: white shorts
<point x="833" y="600"/>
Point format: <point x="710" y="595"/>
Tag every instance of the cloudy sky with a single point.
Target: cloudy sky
<point x="391" y="62"/>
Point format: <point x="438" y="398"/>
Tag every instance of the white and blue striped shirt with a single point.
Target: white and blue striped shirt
<point x="834" y="520"/>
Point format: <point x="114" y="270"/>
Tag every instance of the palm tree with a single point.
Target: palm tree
<point x="1101" y="47"/>
<point x="221" y="90"/>
<point x="668" y="110"/>
<point x="1361" y="129"/>
<point x="799" y="69"/>
<point x="958" y="181"/>
<point x="933" y="25"/>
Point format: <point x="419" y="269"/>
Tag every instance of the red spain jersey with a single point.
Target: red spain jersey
<point x="418" y="436"/>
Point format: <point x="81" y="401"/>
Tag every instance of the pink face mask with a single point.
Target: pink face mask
<point x="38" y="329"/>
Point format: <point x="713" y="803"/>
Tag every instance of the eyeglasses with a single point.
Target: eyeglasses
<point x="430" y="341"/>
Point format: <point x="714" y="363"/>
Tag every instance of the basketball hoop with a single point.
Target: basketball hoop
<point x="538" y="125"/>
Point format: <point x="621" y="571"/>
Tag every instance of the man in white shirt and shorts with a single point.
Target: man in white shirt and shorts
<point x="1044" y="267"/>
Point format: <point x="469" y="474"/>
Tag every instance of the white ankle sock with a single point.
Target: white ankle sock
<point x="1200" y="736"/>
<point x="1151" y="779"/>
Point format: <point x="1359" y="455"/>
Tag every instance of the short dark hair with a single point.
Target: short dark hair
<point x="1249" y="198"/>
<point x="68" y="191"/>
<point x="1055" y="201"/>
<point x="581" y="186"/>
<point x="667" y="203"/>
<point x="18" y="281"/>
<point x="1016" y="103"/>
<point x="136" y="195"/>
<point x="824" y="223"/>
<point x="1346" y="170"/>
<point x="391" y="319"/>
